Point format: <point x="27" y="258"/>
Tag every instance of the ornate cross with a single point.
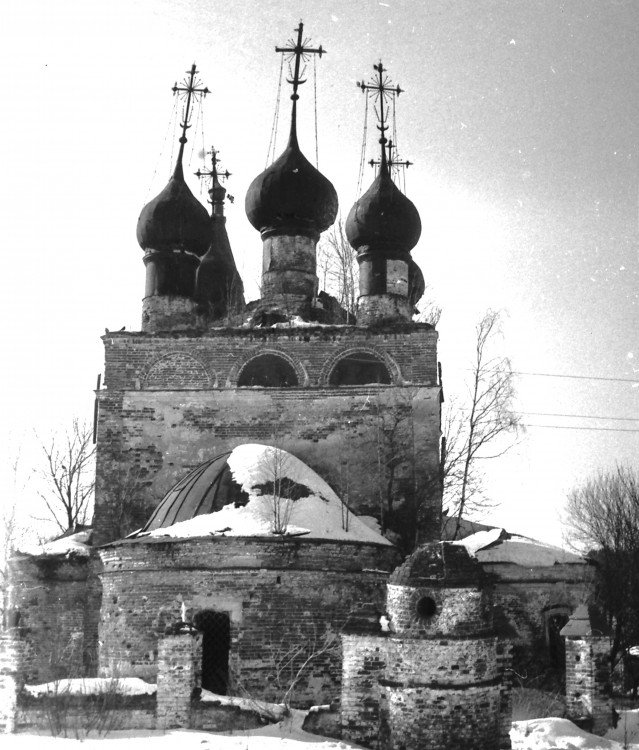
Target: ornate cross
<point x="299" y="51"/>
<point x="381" y="90"/>
<point x="190" y="89"/>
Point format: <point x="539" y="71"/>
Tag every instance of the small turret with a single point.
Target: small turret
<point x="383" y="227"/>
<point x="290" y="204"/>
<point x="174" y="231"/>
<point x="218" y="287"/>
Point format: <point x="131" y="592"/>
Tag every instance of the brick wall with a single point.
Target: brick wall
<point x="58" y="600"/>
<point x="431" y="719"/>
<point x="459" y="611"/>
<point x="522" y="596"/>
<point x="363" y="664"/>
<point x="280" y="596"/>
<point x="171" y="403"/>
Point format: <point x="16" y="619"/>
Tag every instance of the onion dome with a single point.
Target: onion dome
<point x="175" y="219"/>
<point x="291" y="196"/>
<point x="234" y="494"/>
<point x="383" y="220"/>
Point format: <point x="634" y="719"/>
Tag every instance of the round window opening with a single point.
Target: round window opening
<point x="426" y="608"/>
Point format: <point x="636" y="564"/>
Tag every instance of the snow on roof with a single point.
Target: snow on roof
<point x="93" y="686"/>
<point x="498" y="546"/>
<point x="74" y="545"/>
<point x="256" y="468"/>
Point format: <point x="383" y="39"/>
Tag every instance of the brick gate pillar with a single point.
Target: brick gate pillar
<point x="179" y="672"/>
<point x="588" y="688"/>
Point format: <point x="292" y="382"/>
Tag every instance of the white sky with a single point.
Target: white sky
<point x="520" y="118"/>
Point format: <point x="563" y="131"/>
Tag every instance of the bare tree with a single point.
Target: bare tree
<point x="602" y="517"/>
<point x="472" y="432"/>
<point x="282" y="491"/>
<point x="338" y="269"/>
<point x="69" y="471"/>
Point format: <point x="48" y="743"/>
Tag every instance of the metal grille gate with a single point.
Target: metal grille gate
<point x="216" y="643"/>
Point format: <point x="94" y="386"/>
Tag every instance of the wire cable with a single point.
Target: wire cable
<point x="270" y="154"/>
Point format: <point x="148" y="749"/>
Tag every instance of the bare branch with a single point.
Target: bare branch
<point x="469" y="431"/>
<point x="70" y="474"/>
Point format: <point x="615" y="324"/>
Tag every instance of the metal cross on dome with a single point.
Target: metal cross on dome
<point x="189" y="90"/>
<point x="213" y="174"/>
<point x="381" y="90"/>
<point x="390" y="159"/>
<point x="300" y="52"/>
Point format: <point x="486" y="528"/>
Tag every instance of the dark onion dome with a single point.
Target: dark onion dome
<point x="383" y="219"/>
<point x="291" y="196"/>
<point x="175" y="220"/>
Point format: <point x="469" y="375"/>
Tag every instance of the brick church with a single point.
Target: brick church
<point x="263" y="468"/>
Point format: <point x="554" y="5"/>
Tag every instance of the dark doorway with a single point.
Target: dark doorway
<point x="556" y="645"/>
<point x="216" y="643"/>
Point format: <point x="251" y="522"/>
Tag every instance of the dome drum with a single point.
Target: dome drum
<point x="168" y="313"/>
<point x="170" y="273"/>
<point x="382" y="309"/>
<point x="383" y="275"/>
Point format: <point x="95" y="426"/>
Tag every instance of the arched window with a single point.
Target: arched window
<point x="268" y="371"/>
<point x="359" y="368"/>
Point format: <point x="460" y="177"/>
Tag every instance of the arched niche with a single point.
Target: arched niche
<point x="268" y="370"/>
<point x="359" y="368"/>
<point x="177" y="371"/>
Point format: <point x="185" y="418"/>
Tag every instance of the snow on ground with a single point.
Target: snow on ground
<point x="320" y="515"/>
<point x="287" y="735"/>
<point x="537" y="734"/>
<point x="562" y="734"/>
<point x="495" y="545"/>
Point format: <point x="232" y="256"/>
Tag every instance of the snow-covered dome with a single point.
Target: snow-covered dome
<point x="257" y="490"/>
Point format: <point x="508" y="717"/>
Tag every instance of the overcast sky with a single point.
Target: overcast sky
<point x="521" y="119"/>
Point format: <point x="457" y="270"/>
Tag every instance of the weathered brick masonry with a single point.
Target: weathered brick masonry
<point x="172" y="401"/>
<point x="436" y="680"/>
<point x="59" y="603"/>
<point x="279" y="594"/>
